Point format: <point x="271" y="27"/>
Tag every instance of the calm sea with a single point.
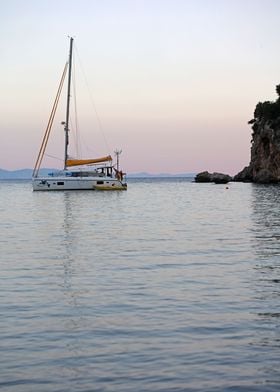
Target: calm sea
<point x="170" y="286"/>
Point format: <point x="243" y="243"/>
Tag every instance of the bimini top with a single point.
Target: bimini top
<point x="79" y="162"/>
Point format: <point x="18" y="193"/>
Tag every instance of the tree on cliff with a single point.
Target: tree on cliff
<point x="267" y="110"/>
<point x="278" y="90"/>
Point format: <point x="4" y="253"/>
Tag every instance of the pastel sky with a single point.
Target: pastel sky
<point x="174" y="82"/>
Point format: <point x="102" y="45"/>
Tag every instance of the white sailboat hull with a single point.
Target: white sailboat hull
<point x="76" y="183"/>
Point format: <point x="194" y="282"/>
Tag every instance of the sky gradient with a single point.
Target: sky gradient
<point x="174" y="82"/>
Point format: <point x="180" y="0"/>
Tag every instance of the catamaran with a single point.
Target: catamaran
<point x="88" y="174"/>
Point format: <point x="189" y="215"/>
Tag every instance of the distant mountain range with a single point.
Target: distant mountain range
<point x="21" y="174"/>
<point x="147" y="175"/>
<point x="26" y="174"/>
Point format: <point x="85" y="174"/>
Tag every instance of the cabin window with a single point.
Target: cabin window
<point x="99" y="182"/>
<point x="60" y="183"/>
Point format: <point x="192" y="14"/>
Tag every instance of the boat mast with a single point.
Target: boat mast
<point x="66" y="128"/>
<point x="118" y="153"/>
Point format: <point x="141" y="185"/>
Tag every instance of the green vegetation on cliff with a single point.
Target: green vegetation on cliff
<point x="267" y="111"/>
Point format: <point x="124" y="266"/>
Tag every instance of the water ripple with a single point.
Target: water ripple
<point x="171" y="286"/>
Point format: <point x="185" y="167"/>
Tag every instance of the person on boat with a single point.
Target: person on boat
<point x="119" y="174"/>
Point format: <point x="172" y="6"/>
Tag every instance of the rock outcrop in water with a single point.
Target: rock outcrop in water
<point x="217" y="178"/>
<point x="264" y="166"/>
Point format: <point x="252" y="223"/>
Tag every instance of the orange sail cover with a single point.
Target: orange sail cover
<point x="79" y="162"/>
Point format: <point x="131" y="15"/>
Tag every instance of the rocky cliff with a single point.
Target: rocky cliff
<point x="264" y="166"/>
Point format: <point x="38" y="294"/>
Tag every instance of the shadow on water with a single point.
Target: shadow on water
<point x="266" y="222"/>
<point x="266" y="230"/>
<point x="266" y="246"/>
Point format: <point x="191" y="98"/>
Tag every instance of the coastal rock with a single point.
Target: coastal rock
<point x="203" y="177"/>
<point x="244" y="176"/>
<point x="221" y="178"/>
<point x="217" y="178"/>
<point x="264" y="165"/>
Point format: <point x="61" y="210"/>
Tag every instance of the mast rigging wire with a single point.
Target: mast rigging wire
<point x="49" y="126"/>
<point x="92" y="102"/>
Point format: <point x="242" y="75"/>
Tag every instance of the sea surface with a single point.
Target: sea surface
<point x="169" y="286"/>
